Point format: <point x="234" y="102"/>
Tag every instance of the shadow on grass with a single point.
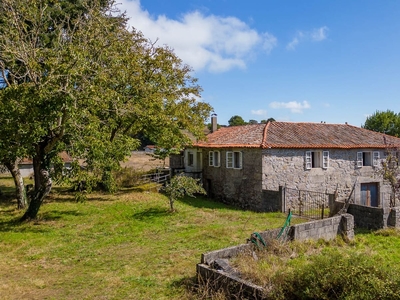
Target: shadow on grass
<point x="151" y="213"/>
<point x="15" y="225"/>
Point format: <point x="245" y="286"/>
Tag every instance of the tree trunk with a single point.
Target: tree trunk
<point x="12" y="166"/>
<point x="43" y="186"/>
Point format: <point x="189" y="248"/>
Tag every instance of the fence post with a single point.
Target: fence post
<point x="283" y="197"/>
<point x="322" y="211"/>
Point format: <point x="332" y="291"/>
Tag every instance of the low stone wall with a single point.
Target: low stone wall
<point x="394" y="217"/>
<point x="211" y="273"/>
<point x="369" y="217"/>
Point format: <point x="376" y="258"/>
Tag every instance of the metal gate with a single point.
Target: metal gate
<point x="308" y="204"/>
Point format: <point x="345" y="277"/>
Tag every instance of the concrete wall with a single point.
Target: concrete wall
<point x="225" y="279"/>
<point x="287" y="166"/>
<point x="239" y="187"/>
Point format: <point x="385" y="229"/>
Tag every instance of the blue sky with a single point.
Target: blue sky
<point x="302" y="61"/>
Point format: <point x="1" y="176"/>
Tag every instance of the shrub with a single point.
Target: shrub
<point x="338" y="275"/>
<point x="181" y="185"/>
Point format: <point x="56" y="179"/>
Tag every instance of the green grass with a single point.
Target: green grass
<point x="129" y="246"/>
<point x="122" y="246"/>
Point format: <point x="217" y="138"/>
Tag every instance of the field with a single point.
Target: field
<point x="130" y="246"/>
<point x="142" y="161"/>
<point x="122" y="246"/>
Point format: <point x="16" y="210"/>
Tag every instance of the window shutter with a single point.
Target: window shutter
<point x="375" y="161"/>
<point x="211" y="158"/>
<point x="325" y="159"/>
<point x="229" y="159"/>
<point x="308" y="160"/>
<point x="359" y="159"/>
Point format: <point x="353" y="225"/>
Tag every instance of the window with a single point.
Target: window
<point x="234" y="159"/>
<point x="368" y="159"/>
<point x="213" y="158"/>
<point x="190" y="159"/>
<point x="317" y="159"/>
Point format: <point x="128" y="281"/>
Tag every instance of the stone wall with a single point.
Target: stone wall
<point x="272" y="200"/>
<point x="369" y="217"/>
<point x="238" y="187"/>
<point x="287" y="166"/>
<point x="394" y="217"/>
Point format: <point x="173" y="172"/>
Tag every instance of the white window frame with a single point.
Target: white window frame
<point x="360" y="161"/>
<point x="323" y="160"/>
<point x="308" y="160"/>
<point x="232" y="157"/>
<point x="214" y="159"/>
<point x="211" y="158"/>
<point x="374" y="156"/>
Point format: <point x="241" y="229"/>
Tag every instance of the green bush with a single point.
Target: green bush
<point x="180" y="186"/>
<point x="335" y="275"/>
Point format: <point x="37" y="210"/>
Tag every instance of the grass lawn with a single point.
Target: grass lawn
<point x="122" y="246"/>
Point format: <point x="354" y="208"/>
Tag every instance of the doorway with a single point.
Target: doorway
<point x="369" y="194"/>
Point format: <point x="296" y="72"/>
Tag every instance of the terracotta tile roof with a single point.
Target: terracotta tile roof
<point x="66" y="158"/>
<point x="298" y="135"/>
<point x="249" y="136"/>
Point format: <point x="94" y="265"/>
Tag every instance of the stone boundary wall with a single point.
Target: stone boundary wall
<point x="218" y="278"/>
<point x="369" y="217"/>
<point x="394" y="217"/>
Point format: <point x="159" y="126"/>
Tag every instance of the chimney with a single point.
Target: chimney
<point x="214" y="122"/>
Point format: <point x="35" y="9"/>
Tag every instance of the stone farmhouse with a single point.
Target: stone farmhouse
<point x="245" y="165"/>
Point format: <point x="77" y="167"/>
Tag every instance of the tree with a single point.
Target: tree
<point x="268" y="120"/>
<point x="236" y="121"/>
<point x="80" y="81"/>
<point x="253" y="122"/>
<point x="384" y="121"/>
<point x="181" y="185"/>
<point x="390" y="171"/>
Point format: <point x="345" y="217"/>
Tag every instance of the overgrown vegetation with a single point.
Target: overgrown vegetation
<point x="363" y="269"/>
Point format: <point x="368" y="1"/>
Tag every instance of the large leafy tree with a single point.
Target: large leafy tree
<point x="236" y="121"/>
<point x="384" y="121"/>
<point x="79" y="80"/>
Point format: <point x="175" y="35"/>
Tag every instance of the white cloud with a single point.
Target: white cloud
<point x="319" y="34"/>
<point x="259" y="112"/>
<point x="209" y="42"/>
<point x="292" y="45"/>
<point x="293" y="106"/>
<point x="315" y="35"/>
